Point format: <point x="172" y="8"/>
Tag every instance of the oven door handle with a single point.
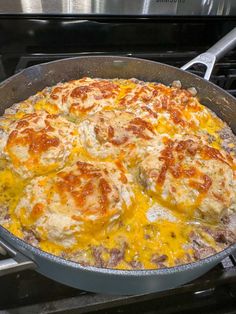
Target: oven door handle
<point x="17" y="262"/>
<point x="214" y="53"/>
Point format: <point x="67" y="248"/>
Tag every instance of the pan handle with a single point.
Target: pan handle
<point x="214" y="53"/>
<point x="15" y="263"/>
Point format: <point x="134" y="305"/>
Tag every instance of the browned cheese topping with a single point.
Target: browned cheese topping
<point x="118" y="173"/>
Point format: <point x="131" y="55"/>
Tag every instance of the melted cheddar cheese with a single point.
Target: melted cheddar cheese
<point x="117" y="173"/>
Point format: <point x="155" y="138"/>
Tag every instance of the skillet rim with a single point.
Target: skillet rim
<point x="65" y="262"/>
<point x="112" y="57"/>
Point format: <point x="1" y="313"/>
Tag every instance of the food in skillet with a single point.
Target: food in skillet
<point x="118" y="173"/>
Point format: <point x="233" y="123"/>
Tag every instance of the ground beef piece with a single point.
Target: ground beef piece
<point x="197" y="240"/>
<point x="7" y="217"/>
<point x="226" y="133"/>
<point x="159" y="260"/>
<point x="204" y="252"/>
<point x="116" y="256"/>
<point x="30" y="237"/>
<point x="223" y="236"/>
<point x="136" y="264"/>
<point x="210" y="138"/>
<point x="229" y="140"/>
<point x="4" y="215"/>
<point x="97" y="255"/>
<point x="63" y="255"/>
<point x="200" y="247"/>
<point x="225" y="220"/>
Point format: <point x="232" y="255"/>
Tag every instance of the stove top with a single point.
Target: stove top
<point x="36" y="39"/>
<point x="30" y="292"/>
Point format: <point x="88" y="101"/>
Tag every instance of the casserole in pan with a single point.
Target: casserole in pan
<point x="126" y="178"/>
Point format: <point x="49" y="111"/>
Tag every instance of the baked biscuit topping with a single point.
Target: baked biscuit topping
<point x="62" y="207"/>
<point x="38" y="143"/>
<point x="118" y="173"/>
<point x="116" y="133"/>
<point x="190" y="176"/>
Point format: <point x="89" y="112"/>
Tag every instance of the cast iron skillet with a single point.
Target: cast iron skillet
<point x="32" y="80"/>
